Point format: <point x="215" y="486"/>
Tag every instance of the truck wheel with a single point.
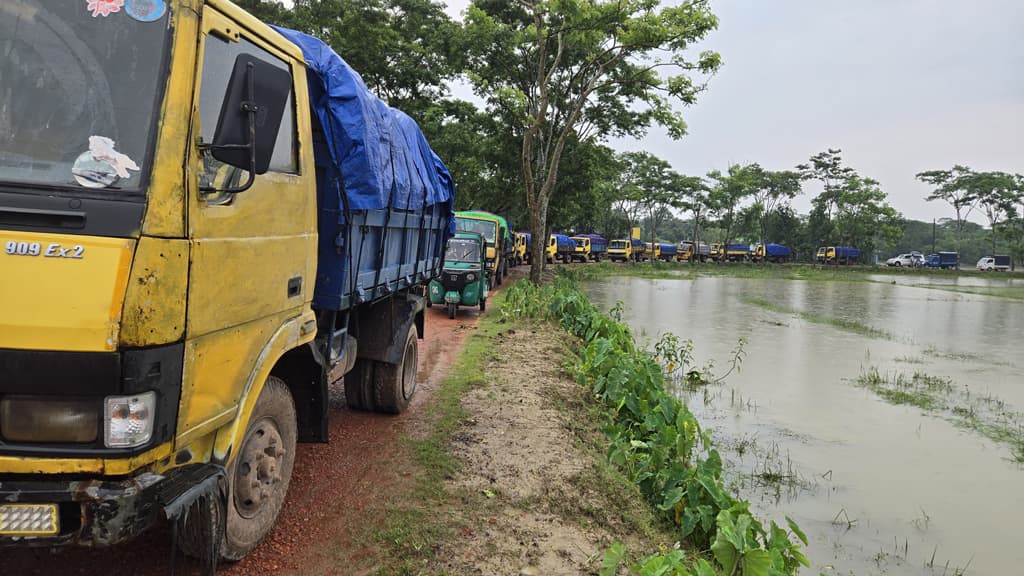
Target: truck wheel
<point x="259" y="475"/>
<point x="395" y="384"/>
<point x="358" y="382"/>
<point x="452" y="307"/>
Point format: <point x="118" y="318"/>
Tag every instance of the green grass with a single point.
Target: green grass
<point x="986" y="415"/>
<point x="926" y="392"/>
<point x="840" y="323"/>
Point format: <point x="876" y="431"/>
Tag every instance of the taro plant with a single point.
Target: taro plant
<point x="657" y="442"/>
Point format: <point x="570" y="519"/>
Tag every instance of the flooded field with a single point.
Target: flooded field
<point x="884" y="417"/>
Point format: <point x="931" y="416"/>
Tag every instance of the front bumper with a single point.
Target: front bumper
<point x="95" y="512"/>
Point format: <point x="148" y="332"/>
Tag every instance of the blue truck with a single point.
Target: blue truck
<point x="560" y="247"/>
<point x="771" y="253"/>
<point x="667" y="252"/>
<point x="942" y="260"/>
<point x="837" y="255"/>
<point x="589" y="247"/>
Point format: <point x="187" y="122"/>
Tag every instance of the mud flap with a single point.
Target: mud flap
<point x="204" y="484"/>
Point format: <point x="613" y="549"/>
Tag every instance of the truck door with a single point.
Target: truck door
<point x="253" y="253"/>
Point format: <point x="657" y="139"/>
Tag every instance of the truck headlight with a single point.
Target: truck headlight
<point x="128" y="420"/>
<point x="39" y="419"/>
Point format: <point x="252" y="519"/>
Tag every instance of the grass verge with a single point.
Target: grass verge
<point x="840" y="323"/>
<point x="413" y="528"/>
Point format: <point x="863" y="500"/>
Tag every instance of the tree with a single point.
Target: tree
<point x="405" y="50"/>
<point x="727" y="192"/>
<point x="653" y="184"/>
<point x="950" y="186"/>
<point x="996" y="194"/>
<point x="773" y="189"/>
<point x="583" y="69"/>
<point x="827" y="167"/>
<point x="863" y="217"/>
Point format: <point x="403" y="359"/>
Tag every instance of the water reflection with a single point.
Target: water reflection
<point x="879" y="488"/>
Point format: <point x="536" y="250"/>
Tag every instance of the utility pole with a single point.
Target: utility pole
<point x="933" y="235"/>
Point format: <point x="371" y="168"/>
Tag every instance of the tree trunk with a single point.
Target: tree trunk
<point x="539" y="243"/>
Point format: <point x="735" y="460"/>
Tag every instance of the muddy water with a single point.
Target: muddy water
<point x="879" y="488"/>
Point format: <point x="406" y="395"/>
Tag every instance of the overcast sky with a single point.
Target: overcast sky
<point x="901" y="86"/>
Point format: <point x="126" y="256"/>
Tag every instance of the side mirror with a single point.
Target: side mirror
<point x="250" y="117"/>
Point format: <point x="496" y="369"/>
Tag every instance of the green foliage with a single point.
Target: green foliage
<point x="656" y="440"/>
<point x="559" y="72"/>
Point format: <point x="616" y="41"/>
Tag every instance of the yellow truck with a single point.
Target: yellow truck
<point x="620" y="250"/>
<point x="519" y="248"/>
<point x="186" y="260"/>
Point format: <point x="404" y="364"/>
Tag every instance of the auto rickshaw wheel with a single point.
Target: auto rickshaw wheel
<point x="483" y="304"/>
<point x="452" y="307"/>
<point x="395" y="384"/>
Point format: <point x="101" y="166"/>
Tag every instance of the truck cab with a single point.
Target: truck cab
<point x="582" y="251"/>
<point x="520" y="248"/>
<point x="177" y="309"/>
<point x="620" y="250"/>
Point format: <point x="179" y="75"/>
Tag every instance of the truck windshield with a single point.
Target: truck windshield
<point x="482" y="227"/>
<point x="461" y="250"/>
<point x="79" y="83"/>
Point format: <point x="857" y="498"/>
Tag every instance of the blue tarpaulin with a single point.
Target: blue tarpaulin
<point x="378" y="152"/>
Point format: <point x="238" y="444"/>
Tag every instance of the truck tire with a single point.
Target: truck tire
<point x="395" y="384"/>
<point x="259" y="475"/>
<point x="358" y="382"/>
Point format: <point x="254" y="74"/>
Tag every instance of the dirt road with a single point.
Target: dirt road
<point x="332" y="487"/>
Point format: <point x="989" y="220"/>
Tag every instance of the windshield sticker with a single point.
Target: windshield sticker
<point x="104" y="7"/>
<point x="145" y="10"/>
<point x="101" y="166"/>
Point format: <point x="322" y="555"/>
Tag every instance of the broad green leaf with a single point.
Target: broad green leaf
<point x="612" y="557"/>
<point x="756" y="563"/>
<point x="672" y="497"/>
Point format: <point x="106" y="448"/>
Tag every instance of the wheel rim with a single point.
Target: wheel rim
<point x="258" y="470"/>
<point x="409" y="370"/>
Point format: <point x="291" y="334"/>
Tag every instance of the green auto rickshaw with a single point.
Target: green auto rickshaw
<point x="463" y="279"/>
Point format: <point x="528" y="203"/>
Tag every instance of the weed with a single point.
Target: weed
<point x="984" y="414"/>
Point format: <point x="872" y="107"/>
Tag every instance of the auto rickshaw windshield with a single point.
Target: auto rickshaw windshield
<point x="462" y="250"/>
